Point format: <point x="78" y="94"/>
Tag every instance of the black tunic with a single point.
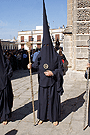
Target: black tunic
<point x="6" y="94"/>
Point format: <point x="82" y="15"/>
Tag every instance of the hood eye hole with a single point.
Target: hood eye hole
<point x="47" y="44"/>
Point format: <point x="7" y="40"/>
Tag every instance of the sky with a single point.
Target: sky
<point x="18" y="15"/>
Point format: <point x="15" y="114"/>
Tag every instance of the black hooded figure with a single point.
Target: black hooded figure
<point x="50" y="77"/>
<point x="6" y="94"/>
<point x="57" y="43"/>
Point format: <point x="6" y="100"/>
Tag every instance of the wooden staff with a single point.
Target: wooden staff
<point x="29" y="46"/>
<point x="87" y="95"/>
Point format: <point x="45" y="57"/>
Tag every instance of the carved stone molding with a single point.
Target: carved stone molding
<point x="83" y="15"/>
<point x="83" y="28"/>
<point x="83" y="3"/>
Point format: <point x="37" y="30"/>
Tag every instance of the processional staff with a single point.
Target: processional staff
<point x="87" y="92"/>
<point x="30" y="46"/>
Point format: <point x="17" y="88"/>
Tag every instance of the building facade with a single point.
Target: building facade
<point x="77" y="33"/>
<point x="35" y="37"/>
<point x="8" y="44"/>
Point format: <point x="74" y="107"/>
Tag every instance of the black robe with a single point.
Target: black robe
<point x="50" y="87"/>
<point x="6" y="94"/>
<point x="49" y="96"/>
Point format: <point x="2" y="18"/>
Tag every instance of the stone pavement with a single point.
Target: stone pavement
<point x="72" y="102"/>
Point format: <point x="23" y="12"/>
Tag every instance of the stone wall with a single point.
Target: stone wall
<point x="80" y="33"/>
<point x="68" y="48"/>
<point x="69" y="12"/>
<point x="67" y="43"/>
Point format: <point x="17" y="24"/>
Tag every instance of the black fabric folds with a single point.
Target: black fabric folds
<point x="3" y="75"/>
<point x="6" y="92"/>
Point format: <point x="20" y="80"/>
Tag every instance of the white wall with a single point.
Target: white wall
<point x="36" y="32"/>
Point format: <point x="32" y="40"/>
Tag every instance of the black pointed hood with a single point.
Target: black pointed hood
<point x="48" y="54"/>
<point x="3" y="80"/>
<point x="46" y="33"/>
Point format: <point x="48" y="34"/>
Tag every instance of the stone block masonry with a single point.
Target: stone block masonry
<point x="79" y="14"/>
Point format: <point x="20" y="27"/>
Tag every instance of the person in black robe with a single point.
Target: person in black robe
<point x="57" y="43"/>
<point x="50" y="78"/>
<point x="6" y="94"/>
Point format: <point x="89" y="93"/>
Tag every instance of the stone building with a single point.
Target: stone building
<point x="77" y="33"/>
<point x="35" y="37"/>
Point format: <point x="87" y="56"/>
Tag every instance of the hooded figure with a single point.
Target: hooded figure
<point x="50" y="77"/>
<point x="6" y="94"/>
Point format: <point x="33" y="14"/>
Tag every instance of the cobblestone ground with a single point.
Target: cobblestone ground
<point x="72" y="102"/>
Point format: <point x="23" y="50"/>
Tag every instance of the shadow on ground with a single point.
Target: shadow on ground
<point x="21" y="73"/>
<point x="12" y="132"/>
<point x="71" y="105"/>
<point x="24" y="111"/>
<point x="67" y="107"/>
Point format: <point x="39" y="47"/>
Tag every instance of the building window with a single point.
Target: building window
<point x="30" y="38"/>
<point x="22" y="38"/>
<point x="57" y="37"/>
<point x="38" y="38"/>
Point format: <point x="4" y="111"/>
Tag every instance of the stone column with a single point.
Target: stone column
<point x="67" y="44"/>
<point x="69" y="12"/>
<point x="74" y="27"/>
